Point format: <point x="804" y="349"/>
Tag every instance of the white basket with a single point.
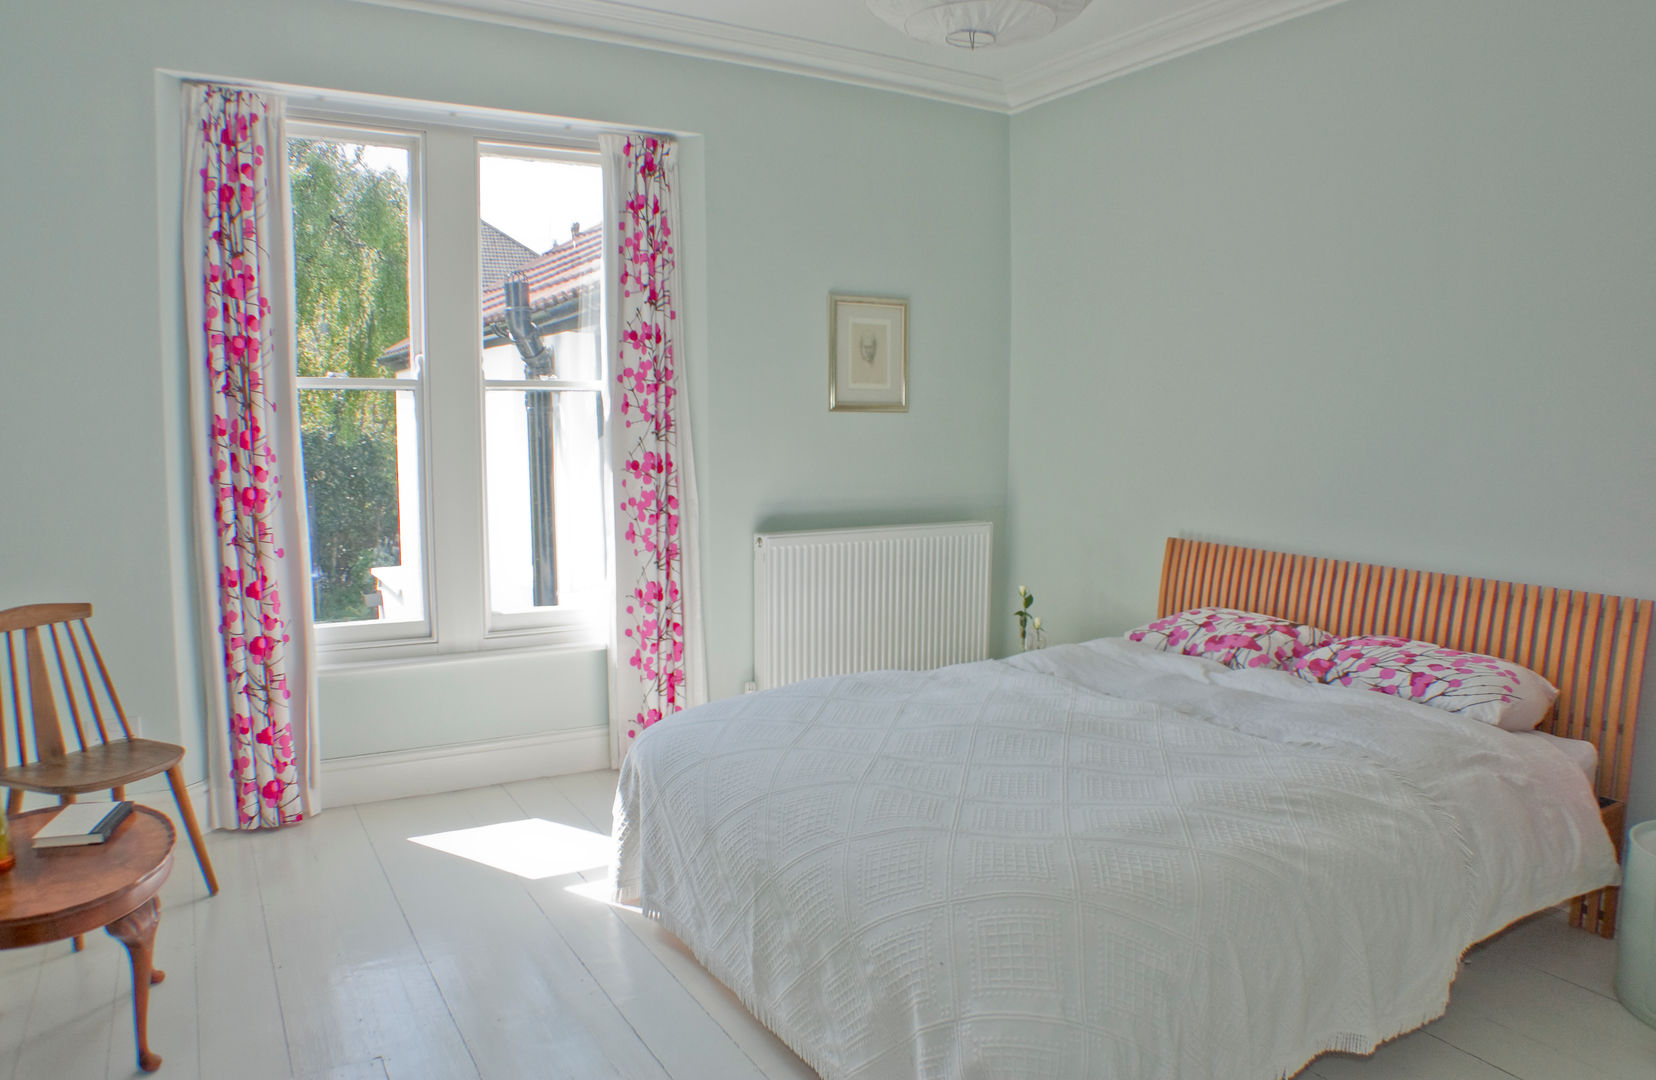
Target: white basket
<point x="1636" y="925"/>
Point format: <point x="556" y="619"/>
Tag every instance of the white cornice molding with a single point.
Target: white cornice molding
<point x="626" y="24"/>
<point x="1165" y="39"/>
<point x="707" y="39"/>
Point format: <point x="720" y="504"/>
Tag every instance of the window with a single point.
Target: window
<point x="542" y="403"/>
<point x="450" y="341"/>
<point x="358" y="409"/>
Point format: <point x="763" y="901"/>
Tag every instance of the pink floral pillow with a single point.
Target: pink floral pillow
<point x="1482" y="687"/>
<point x="1238" y="639"/>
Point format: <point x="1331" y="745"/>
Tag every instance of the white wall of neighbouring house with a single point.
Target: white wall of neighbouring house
<point x="1377" y="283"/>
<point x="793" y="187"/>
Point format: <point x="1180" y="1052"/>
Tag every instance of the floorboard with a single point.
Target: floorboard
<point x="17" y="994"/>
<point x="1417" y="1056"/>
<point x="593" y="795"/>
<point x="343" y="950"/>
<point x="352" y="980"/>
<point x="683" y="1033"/>
<point x="1550" y="944"/>
<point x="75" y="1014"/>
<point x="1579" y="1024"/>
<point x="235" y="970"/>
<point x="498" y="969"/>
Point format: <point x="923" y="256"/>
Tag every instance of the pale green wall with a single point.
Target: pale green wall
<point x="1379" y="282"/>
<point x="437" y="702"/>
<point x="798" y="187"/>
<point x="1284" y="240"/>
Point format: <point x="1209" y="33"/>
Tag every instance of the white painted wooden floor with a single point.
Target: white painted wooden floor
<point x="341" y="950"/>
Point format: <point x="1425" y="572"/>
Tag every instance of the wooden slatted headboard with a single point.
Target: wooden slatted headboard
<point x="1591" y="646"/>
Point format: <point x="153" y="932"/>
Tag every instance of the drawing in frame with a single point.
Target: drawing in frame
<point x="867" y="353"/>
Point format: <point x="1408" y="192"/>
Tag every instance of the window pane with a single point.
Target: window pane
<point x="363" y="490"/>
<point x="541" y="239"/>
<point x="545" y="499"/>
<point x="350" y="252"/>
<point x="351" y="295"/>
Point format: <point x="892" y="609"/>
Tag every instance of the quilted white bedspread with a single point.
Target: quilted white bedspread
<point x="1094" y="861"/>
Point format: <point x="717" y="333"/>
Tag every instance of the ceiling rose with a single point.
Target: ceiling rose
<point x="976" y="24"/>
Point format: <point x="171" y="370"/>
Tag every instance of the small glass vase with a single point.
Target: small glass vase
<point x="1034" y="638"/>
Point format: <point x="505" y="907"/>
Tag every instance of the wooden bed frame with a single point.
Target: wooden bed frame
<point x="1589" y="645"/>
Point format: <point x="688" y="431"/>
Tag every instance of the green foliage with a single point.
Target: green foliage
<point x="1024" y="615"/>
<point x="350" y="246"/>
<point x="352" y="489"/>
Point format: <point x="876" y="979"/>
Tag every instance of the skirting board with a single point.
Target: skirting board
<point x="429" y="770"/>
<point x="426" y="771"/>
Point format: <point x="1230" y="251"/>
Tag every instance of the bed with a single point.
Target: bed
<point x="1103" y="860"/>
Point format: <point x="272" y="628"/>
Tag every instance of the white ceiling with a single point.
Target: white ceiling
<point x="843" y="40"/>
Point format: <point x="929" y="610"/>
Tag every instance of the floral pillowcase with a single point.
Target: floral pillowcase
<point x="1237" y="639"/>
<point x="1483" y="688"/>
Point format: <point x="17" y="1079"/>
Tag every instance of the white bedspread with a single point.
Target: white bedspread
<point x="1093" y="861"/>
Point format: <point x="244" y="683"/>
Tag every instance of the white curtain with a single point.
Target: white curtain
<point x="657" y="656"/>
<point x="249" y="492"/>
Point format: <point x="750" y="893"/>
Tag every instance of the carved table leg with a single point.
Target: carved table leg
<point x="136" y="930"/>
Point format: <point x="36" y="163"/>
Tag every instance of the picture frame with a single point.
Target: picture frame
<point x="867" y="353"/>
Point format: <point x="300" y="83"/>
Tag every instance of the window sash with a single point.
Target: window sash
<point x="572" y="616"/>
<point x="358" y="634"/>
<point x="568" y="621"/>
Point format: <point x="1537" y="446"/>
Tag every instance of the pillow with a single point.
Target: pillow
<point x="1238" y="639"/>
<point x="1484" y="688"/>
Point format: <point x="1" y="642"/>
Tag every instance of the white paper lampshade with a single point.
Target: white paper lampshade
<point x="976" y="24"/>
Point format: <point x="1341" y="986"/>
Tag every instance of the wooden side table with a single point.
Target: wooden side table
<point x="51" y="895"/>
<point x="1596" y="911"/>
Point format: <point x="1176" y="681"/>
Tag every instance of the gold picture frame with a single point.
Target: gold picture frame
<point x="867" y="353"/>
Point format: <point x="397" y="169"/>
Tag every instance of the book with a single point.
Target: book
<point x="82" y="823"/>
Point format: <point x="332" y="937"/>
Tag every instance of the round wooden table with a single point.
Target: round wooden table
<point x="65" y="892"/>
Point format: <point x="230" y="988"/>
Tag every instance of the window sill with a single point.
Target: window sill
<point x="383" y="656"/>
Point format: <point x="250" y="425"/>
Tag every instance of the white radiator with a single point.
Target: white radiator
<point x="844" y="600"/>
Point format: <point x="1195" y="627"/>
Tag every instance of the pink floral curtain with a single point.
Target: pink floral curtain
<point x="656" y="660"/>
<point x="249" y="490"/>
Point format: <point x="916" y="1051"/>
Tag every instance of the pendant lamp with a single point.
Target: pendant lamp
<point x="976" y="24"/>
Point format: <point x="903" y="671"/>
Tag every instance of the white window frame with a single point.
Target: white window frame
<point x="444" y="339"/>
<point x="514" y="623"/>
<point x="373" y="632"/>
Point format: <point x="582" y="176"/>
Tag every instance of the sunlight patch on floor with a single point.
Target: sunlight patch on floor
<point x="602" y="890"/>
<point x="533" y="848"/>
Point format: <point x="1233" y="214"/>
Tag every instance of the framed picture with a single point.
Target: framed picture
<point x="867" y="354"/>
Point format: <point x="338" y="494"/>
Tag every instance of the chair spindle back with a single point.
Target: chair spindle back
<point x="36" y="721"/>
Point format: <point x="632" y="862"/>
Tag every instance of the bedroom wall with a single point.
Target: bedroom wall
<point x="1376" y="283"/>
<point x="794" y="187"/>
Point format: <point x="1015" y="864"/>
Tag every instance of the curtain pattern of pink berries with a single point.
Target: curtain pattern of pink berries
<point x="246" y="485"/>
<point x="649" y="475"/>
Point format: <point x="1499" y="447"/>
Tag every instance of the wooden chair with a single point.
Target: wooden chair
<point x="100" y="761"/>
